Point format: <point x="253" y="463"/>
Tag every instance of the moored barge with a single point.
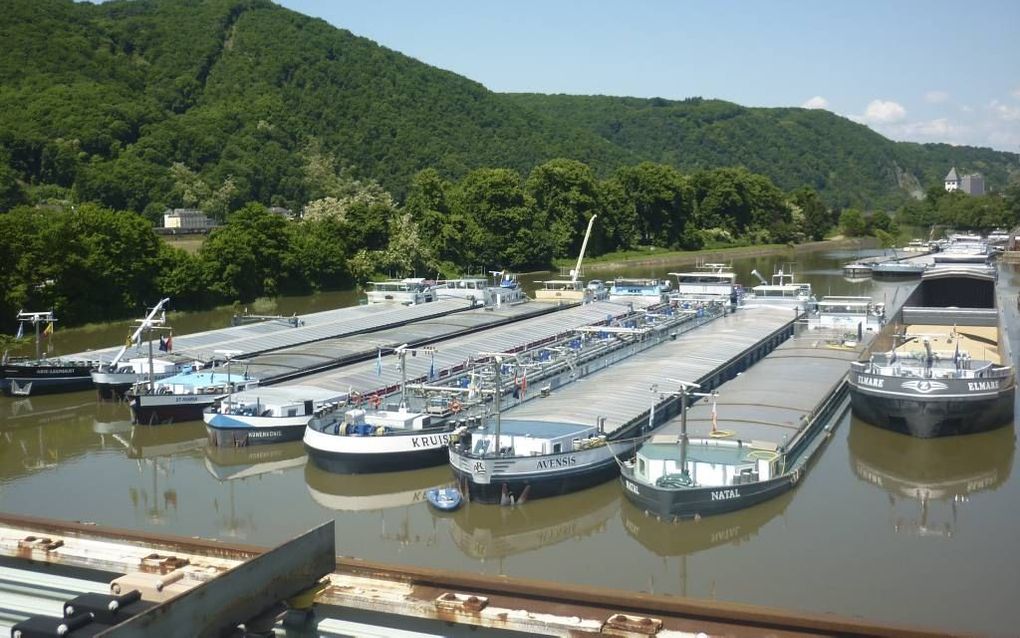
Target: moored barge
<point x="755" y="439"/>
<point x="570" y="440"/>
<point x="951" y="375"/>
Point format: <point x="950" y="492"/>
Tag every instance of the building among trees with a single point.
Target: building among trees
<point x="186" y="218"/>
<point x="972" y="184"/>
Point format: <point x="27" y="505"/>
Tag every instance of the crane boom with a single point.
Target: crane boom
<point x="577" y="268"/>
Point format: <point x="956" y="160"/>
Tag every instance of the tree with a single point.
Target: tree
<point x="661" y="199"/>
<point x="249" y="257"/>
<point x="816" y="218"/>
<point x="565" y="193"/>
<point x="852" y="222"/>
<point x="501" y="230"/>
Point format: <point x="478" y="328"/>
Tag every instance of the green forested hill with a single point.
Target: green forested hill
<point x="847" y="162"/>
<point x="147" y="104"/>
<point x="105" y="98"/>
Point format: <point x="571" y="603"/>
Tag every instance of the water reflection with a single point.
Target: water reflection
<point x="365" y="492"/>
<point x="233" y="463"/>
<point x="927" y="479"/>
<point x="491" y="531"/>
<point x="690" y="536"/>
<point x="43" y="432"/>
<point x="153" y="442"/>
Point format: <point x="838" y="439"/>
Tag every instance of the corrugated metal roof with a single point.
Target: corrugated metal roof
<point x="27" y="592"/>
<point x="367" y="376"/>
<point x="771" y="400"/>
<point x="623" y="391"/>
<point x="273" y="335"/>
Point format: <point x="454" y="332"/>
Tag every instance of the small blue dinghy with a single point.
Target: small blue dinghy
<point x="444" y="499"/>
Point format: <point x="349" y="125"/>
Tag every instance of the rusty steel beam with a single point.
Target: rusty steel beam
<point x="503" y="602"/>
<point x="253" y="589"/>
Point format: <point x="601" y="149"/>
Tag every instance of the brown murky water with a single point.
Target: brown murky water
<point x="883" y="526"/>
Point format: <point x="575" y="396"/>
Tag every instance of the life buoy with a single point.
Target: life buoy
<point x="455" y="406"/>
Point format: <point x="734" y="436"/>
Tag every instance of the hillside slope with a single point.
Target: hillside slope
<point x="847" y="162"/>
<point x="103" y="100"/>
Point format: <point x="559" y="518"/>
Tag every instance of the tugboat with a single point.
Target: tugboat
<point x="25" y="377"/>
<point x="958" y="381"/>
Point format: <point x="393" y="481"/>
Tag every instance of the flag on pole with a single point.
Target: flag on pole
<point x="21" y="330"/>
<point x="524" y="384"/>
<point x="127" y="342"/>
<point x="651" y="414"/>
<point x="162" y="344"/>
<point x="432" y="366"/>
<point x="378" y="363"/>
<point x="956" y="355"/>
<point x="170" y="342"/>
<point x="715" y="416"/>
<point x="49" y="329"/>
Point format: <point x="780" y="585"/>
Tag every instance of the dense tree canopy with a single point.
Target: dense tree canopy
<point x="150" y="104"/>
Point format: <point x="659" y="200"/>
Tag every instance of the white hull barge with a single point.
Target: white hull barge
<point x="570" y="440"/>
<point x="756" y="439"/>
<point x="361" y="442"/>
<point x="268" y="415"/>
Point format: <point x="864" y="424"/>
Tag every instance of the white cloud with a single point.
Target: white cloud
<point x="1016" y="93"/>
<point x="817" y="102"/>
<point x="884" y="112"/>
<point x="936" y="97"/>
<point x="1005" y="112"/>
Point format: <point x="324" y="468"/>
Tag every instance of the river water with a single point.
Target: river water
<point x="883" y="526"/>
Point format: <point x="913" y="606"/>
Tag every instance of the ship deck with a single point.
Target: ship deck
<point x="625" y="391"/>
<point x="979" y="342"/>
<point x="775" y="399"/>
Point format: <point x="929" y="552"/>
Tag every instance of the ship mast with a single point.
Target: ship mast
<point x="150" y="320"/>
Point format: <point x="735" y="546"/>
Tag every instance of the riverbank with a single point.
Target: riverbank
<point x="656" y="257"/>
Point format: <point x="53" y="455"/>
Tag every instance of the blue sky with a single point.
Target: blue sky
<point x="930" y="71"/>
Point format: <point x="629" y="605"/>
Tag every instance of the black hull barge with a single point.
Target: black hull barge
<point x="46" y="377"/>
<point x="571" y="439"/>
<point x="757" y="437"/>
<point x="948" y="374"/>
